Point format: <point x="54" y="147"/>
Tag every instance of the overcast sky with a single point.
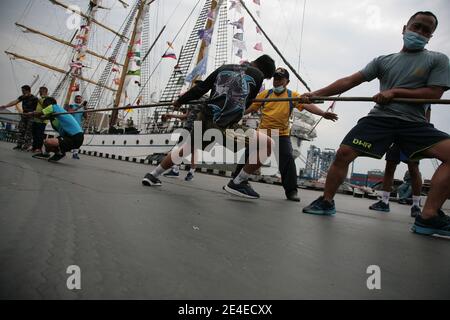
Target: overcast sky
<point x="339" y="38"/>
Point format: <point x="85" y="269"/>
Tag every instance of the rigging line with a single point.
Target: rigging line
<point x="160" y="59"/>
<point x="275" y="47"/>
<point x="24" y="13"/>
<point x="301" y="37"/>
<point x="107" y="50"/>
<point x="14" y="76"/>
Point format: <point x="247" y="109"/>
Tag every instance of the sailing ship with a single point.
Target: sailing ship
<point x="153" y="135"/>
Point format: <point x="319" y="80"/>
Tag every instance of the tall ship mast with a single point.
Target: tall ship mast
<point x="123" y="74"/>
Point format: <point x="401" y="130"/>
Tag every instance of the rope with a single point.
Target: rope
<point x="317" y="99"/>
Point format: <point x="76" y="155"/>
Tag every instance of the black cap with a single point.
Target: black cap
<point x="281" y="73"/>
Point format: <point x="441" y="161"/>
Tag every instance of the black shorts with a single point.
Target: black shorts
<point x="67" y="143"/>
<point x="394" y="154"/>
<point x="373" y="136"/>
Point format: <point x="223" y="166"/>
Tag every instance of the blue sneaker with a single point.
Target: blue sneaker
<point x="75" y="156"/>
<point x="380" y="206"/>
<point x="321" y="207"/>
<point x="242" y="189"/>
<point x="189" y="177"/>
<point x="439" y="224"/>
<point x="171" y="174"/>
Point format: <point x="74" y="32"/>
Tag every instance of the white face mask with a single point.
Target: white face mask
<point x="279" y="89"/>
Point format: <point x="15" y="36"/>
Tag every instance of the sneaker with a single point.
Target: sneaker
<point x="293" y="196"/>
<point x="41" y="155"/>
<point x="171" y="174"/>
<point x="189" y="177"/>
<point x="439" y="224"/>
<point x="56" y="157"/>
<point x="75" y="156"/>
<point x="415" y="211"/>
<point x="321" y="207"/>
<point x="404" y="201"/>
<point x="380" y="206"/>
<point x="150" y="180"/>
<point x="242" y="189"/>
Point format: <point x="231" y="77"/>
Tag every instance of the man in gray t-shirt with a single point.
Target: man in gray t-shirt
<point x="416" y="73"/>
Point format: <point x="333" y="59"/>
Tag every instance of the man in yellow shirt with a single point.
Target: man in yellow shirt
<point x="275" y="116"/>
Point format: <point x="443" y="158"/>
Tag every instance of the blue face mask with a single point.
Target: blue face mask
<point x="414" y="41"/>
<point x="279" y="89"/>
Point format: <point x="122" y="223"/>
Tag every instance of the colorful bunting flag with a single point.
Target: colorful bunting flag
<point x="258" y="2"/>
<point x="239" y="24"/>
<point x="258" y="30"/>
<point x="239" y="36"/>
<point x="134" y="73"/>
<point x="239" y="53"/>
<point x="236" y="5"/>
<point x="211" y="15"/>
<point x="258" y="47"/>
<point x="205" y="35"/>
<point x="258" y="13"/>
<point x="200" y="69"/>
<point x="239" y="44"/>
<point x="170" y="55"/>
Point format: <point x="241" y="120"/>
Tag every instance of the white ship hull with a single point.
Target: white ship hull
<point x="138" y="146"/>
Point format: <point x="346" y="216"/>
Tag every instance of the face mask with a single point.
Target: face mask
<point x="279" y="89"/>
<point x="414" y="41"/>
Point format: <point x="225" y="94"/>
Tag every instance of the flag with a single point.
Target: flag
<point x="239" y="24"/>
<point x="239" y="36"/>
<point x="170" y="44"/>
<point x="170" y="55"/>
<point x="116" y="81"/>
<point x="114" y="69"/>
<point x="236" y="5"/>
<point x="258" y="30"/>
<point x="205" y="35"/>
<point x="258" y="2"/>
<point x="258" y="47"/>
<point x="239" y="53"/>
<point x="81" y="37"/>
<point x="258" y="13"/>
<point x="76" y="65"/>
<point x="239" y="44"/>
<point x="211" y="15"/>
<point x="75" y="88"/>
<point x="134" y="73"/>
<point x="200" y="69"/>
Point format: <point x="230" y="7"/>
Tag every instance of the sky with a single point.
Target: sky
<point x="338" y="39"/>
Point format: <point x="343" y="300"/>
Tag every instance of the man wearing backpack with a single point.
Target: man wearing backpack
<point x="275" y="116"/>
<point x="233" y="87"/>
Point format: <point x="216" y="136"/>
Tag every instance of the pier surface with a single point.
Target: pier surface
<point x="191" y="240"/>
